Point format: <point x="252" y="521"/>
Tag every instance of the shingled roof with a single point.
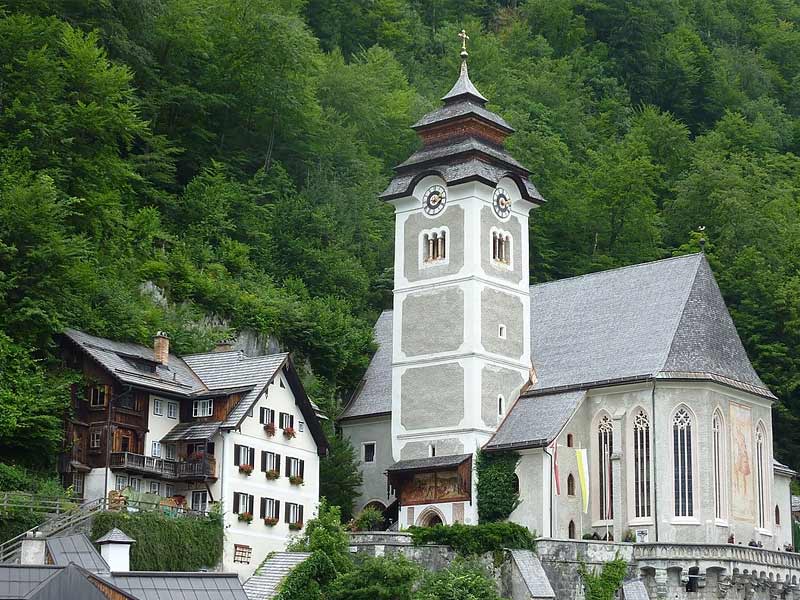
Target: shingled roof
<point x="664" y="319"/>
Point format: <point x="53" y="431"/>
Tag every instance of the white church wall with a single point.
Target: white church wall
<point x="782" y="497"/>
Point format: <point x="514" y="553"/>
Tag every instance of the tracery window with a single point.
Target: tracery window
<point x="761" y="471"/>
<point x="682" y="463"/>
<point x="501" y="247"/>
<point x="605" y="439"/>
<point x="641" y="464"/>
<point x="718" y="456"/>
<point x="434" y="245"/>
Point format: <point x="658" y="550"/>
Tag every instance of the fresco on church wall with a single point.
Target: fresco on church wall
<point x="742" y="461"/>
<point x="444" y="486"/>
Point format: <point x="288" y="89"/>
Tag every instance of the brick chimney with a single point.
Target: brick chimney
<point x="224" y="346"/>
<point x="161" y="347"/>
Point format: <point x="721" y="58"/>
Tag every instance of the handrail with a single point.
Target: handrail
<point x="725" y="552"/>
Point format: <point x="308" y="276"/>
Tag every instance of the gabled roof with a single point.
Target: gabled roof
<point x="123" y="359"/>
<point x="534" y="421"/>
<point x="17" y="581"/>
<point x="160" y="585"/>
<point x="429" y="463"/>
<point x="76" y="549"/>
<point x="664" y="319"/>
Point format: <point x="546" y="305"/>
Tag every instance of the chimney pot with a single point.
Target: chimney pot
<point x="161" y="347"/>
<point x="224" y="345"/>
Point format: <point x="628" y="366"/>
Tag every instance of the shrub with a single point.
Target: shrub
<point x="497" y="487"/>
<point x="469" y="540"/>
<point x="384" y="578"/>
<point x="308" y="579"/>
<point x="325" y="534"/>
<point x="462" y="580"/>
<point x="604" y="585"/>
<point x="166" y="543"/>
<point x="368" y="520"/>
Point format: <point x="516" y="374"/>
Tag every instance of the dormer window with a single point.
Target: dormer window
<point x="501" y="248"/>
<point x="434" y="247"/>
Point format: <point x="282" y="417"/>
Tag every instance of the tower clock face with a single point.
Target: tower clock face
<point x="502" y="203"/>
<point x="433" y="200"/>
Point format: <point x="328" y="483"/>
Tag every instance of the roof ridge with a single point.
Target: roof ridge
<point x="679" y="320"/>
<point x="634" y="266"/>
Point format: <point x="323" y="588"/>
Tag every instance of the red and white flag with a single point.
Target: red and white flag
<point x="554" y="446"/>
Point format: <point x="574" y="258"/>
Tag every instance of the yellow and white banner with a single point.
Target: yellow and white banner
<point x="583" y="476"/>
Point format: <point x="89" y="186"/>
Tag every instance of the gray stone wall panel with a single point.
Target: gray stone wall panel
<point x="432" y="396"/>
<point x="433" y="321"/>
<point x="453" y="218"/>
<point x="496" y="381"/>
<point x="502" y="308"/>
<point x="444" y="447"/>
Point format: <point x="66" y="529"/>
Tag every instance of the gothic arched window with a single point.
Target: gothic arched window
<point x="718" y="457"/>
<point x="571" y="530"/>
<point x="682" y="463"/>
<point x="777" y="515"/>
<point x="641" y="464"/>
<point x="570" y="441"/>
<point x="605" y="439"/>
<point x="570" y="485"/>
<point x="761" y="475"/>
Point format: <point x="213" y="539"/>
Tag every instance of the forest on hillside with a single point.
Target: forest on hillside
<point x="204" y="166"/>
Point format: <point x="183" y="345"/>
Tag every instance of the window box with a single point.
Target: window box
<point x="246" y="517"/>
<point x="246" y="469"/>
<point x="289" y="432"/>
<point x="272" y="474"/>
<point x="295" y="480"/>
<point x="296" y="526"/>
<point x="269" y="429"/>
<point x="271" y="521"/>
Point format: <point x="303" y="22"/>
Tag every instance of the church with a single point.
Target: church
<point x="626" y="394"/>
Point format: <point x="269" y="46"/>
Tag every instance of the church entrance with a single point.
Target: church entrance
<point x="430" y="518"/>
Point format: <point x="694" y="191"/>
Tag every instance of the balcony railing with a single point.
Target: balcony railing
<point x="167" y="469"/>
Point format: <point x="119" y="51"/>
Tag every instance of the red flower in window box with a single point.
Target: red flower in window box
<point x="199" y="455"/>
<point x="246" y="517"/>
<point x="272" y="474"/>
<point x="246" y="469"/>
<point x="288" y="432"/>
<point x="296" y="526"/>
<point x="295" y="480"/>
<point x="271" y="521"/>
<point x="269" y="429"/>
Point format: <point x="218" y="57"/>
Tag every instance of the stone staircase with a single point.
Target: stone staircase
<point x="263" y="585"/>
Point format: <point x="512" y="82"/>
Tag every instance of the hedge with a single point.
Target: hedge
<point x="166" y="543"/>
<point x="470" y="540"/>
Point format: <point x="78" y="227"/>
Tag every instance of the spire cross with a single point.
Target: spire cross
<point x="464" y="37"/>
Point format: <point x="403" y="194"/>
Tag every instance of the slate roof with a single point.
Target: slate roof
<point x="263" y="585"/>
<point x="664" y="319"/>
<point x="535" y="420"/>
<point x="76" y="549"/>
<point x="192" y="431"/>
<point x="119" y="358"/>
<point x="463" y="87"/>
<point x="115" y="536"/>
<point x="158" y="585"/>
<point x="431" y="462"/>
<point x="462" y="109"/>
<point x="18" y="581"/>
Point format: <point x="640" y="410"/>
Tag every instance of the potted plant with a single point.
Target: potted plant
<point x="288" y="432"/>
<point x="246" y="517"/>
<point x="271" y="521"/>
<point x="246" y="469"/>
<point x="272" y="474"/>
<point x="269" y="429"/>
<point x="295" y="480"/>
<point x="296" y="526"/>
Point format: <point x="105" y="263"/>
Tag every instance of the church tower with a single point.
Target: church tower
<point x="461" y="325"/>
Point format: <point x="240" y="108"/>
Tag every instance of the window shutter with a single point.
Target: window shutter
<point x="291" y="421"/>
<point x="287" y="512"/>
<point x="271" y="416"/>
<point x="263" y="460"/>
<point x="278" y="462"/>
<point x="300" y="510"/>
<point x="251" y="504"/>
<point x="277" y="510"/>
<point x="236" y="502"/>
<point x="263" y="507"/>
<point x="236" y="454"/>
<point x="252" y="453"/>
<point x="261" y="415"/>
<point x="288" y="472"/>
<point x="302" y="468"/>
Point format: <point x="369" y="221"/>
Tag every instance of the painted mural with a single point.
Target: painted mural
<point x="742" y="461"/>
<point x="443" y="486"/>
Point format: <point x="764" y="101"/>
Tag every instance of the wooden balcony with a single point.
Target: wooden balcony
<point x="179" y="470"/>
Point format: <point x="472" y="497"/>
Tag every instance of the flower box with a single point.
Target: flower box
<point x="246" y="469"/>
<point x="272" y="474"/>
<point x="289" y="433"/>
<point x="271" y="521"/>
<point x="269" y="429"/>
<point x="296" y="526"/>
<point x="246" y="517"/>
<point x="295" y="480"/>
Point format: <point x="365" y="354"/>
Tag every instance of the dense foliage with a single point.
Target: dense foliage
<point x="605" y="584"/>
<point x="462" y="580"/>
<point x="498" y="485"/>
<point x="165" y="543"/>
<point x="384" y="578"/>
<point x="470" y="540"/>
<point x="201" y="166"/>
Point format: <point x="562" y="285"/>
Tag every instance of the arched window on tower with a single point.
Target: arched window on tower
<point x="501" y="406"/>
<point x="570" y="485"/>
<point x="605" y="439"/>
<point x="682" y="463"/>
<point x="570" y="440"/>
<point x="761" y="475"/>
<point x="434" y="245"/>
<point x="501" y="247"/>
<point x="641" y="464"/>
<point x="718" y="458"/>
<point x="777" y="515"/>
<point x="571" y="530"/>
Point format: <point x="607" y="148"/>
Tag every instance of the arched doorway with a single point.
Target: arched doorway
<point x="430" y="518"/>
<point x="381" y="508"/>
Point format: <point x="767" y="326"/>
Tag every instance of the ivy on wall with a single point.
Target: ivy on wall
<point x="166" y="543"/>
<point x="498" y="486"/>
<point x="470" y="540"/>
<point x="604" y="585"/>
